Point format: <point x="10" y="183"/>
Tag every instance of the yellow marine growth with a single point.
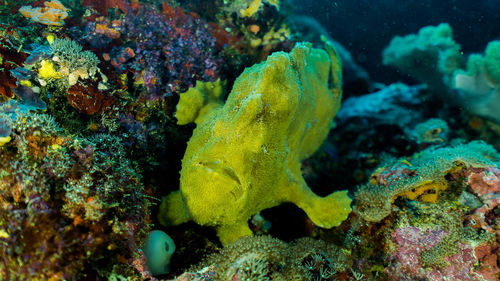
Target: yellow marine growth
<point x="245" y="156"/>
<point x="199" y="101"/>
<point x="254" y="6"/>
<point x="252" y="9"/>
<point x="47" y="70"/>
<point x="4" y="140"/>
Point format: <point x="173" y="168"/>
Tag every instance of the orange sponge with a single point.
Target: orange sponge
<point x="52" y="14"/>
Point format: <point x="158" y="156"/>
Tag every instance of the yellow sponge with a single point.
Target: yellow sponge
<point x="47" y="70"/>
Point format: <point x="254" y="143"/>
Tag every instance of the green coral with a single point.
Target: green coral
<point x="492" y="62"/>
<point x="483" y="71"/>
<point x="70" y="53"/>
<point x="474" y="64"/>
<point x="427" y="56"/>
<point x="434" y="58"/>
<point x="245" y="156"/>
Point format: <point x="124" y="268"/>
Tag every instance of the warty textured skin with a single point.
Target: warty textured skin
<point x="245" y="156"/>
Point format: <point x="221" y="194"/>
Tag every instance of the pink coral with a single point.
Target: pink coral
<point x="411" y="242"/>
<point x="489" y="255"/>
<point x="485" y="183"/>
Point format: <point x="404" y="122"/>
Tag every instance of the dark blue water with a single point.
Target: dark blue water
<point x="365" y="27"/>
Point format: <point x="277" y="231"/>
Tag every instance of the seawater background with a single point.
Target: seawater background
<point x="365" y="27"/>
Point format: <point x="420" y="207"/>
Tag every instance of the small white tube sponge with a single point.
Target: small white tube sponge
<point x="158" y="248"/>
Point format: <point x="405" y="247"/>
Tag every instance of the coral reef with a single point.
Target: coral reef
<point x="169" y="50"/>
<point x="220" y="148"/>
<point x="433" y="57"/>
<point x="73" y="62"/>
<point x="247" y="31"/>
<point x="478" y="86"/>
<point x="65" y="71"/>
<point x="66" y="201"/>
<point x="435" y="245"/>
<point x="432" y="131"/>
<point x="265" y="258"/>
<point x="440" y="225"/>
<point x="426" y="56"/>
<point x="10" y="59"/>
<point x="93" y="93"/>
<point x="424" y="177"/>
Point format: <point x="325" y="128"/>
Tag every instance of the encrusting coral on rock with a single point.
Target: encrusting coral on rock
<point x="265" y="258"/>
<point x="423" y="177"/>
<point x="59" y="210"/>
